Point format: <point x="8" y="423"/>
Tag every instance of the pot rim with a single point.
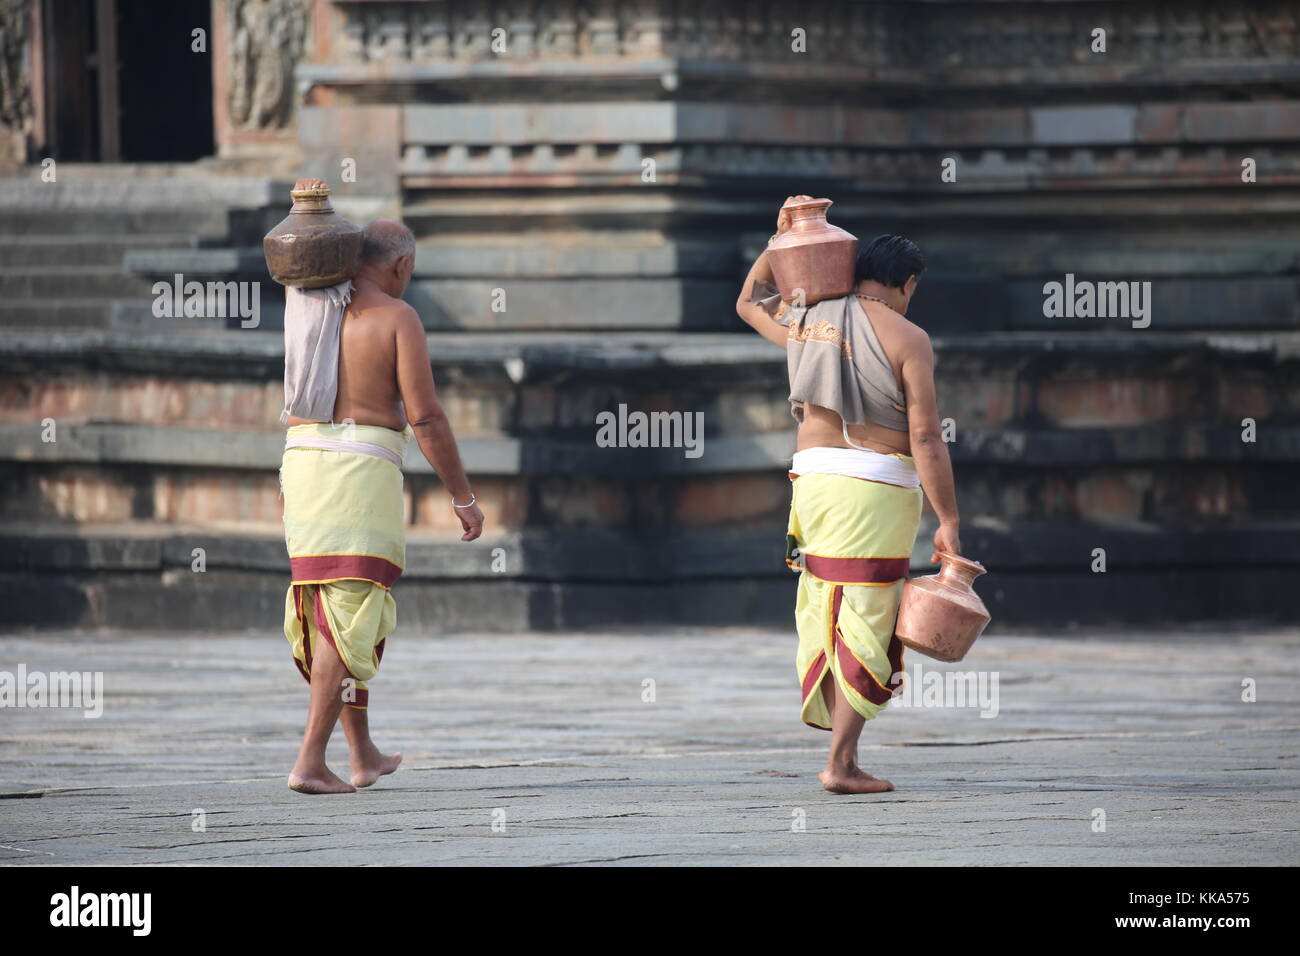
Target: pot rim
<point x="958" y="560"/>
<point x="809" y="204"/>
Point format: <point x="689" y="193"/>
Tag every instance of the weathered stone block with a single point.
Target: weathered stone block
<point x="1115" y="401"/>
<point x="1067" y="125"/>
<point x="364" y="139"/>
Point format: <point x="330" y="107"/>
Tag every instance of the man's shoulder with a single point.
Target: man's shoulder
<point x="916" y="340"/>
<point x="914" y="331"/>
<point x="385" y="307"/>
<point x="899" y="326"/>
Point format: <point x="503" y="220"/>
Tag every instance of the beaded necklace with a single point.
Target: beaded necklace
<point x="863" y="295"/>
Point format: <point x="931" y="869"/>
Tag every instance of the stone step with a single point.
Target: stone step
<point x="226" y="600"/>
<point x="99" y="473"/>
<point x="127" y="316"/>
<point x="77" y="251"/>
<point x="224" y="443"/>
<point x="554" y="384"/>
<point x="48" y="313"/>
<point x="137" y="316"/>
<point x="159" y="421"/>
<point x="1039" y="573"/>
<point x="1064" y="444"/>
<point x="1145" y="254"/>
<point x="1037" y="545"/>
<point x="26" y="221"/>
<point x="105" y="283"/>
<point x="80" y="189"/>
<point x="1222" y="304"/>
<point x="597" y="304"/>
<point x="245" y="264"/>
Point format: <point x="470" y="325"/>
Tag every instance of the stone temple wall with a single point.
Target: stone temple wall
<point x="588" y="186"/>
<point x="635" y="142"/>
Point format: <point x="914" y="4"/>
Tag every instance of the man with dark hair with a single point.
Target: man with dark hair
<point x="892" y="262"/>
<point x="862" y="390"/>
<point x="354" y="399"/>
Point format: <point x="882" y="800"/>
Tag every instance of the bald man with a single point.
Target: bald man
<point x="343" y="503"/>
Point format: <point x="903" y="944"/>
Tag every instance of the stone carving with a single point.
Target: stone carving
<point x="15" y="83"/>
<point x="896" y="34"/>
<point x="858" y="165"/>
<point x="267" y="39"/>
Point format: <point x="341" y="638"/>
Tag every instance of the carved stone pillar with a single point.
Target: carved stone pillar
<point x="257" y="45"/>
<point x="16" y="110"/>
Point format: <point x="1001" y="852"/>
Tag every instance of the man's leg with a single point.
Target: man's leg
<point x="368" y="764"/>
<point x="309" y="774"/>
<point x="842" y="774"/>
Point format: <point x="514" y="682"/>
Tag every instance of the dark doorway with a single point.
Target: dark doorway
<point x="71" y="79"/>
<point x="166" y="88"/>
<point x="124" y="83"/>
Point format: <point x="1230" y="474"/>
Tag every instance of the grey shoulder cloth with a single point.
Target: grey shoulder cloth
<point x="835" y="360"/>
<point x="312" y="319"/>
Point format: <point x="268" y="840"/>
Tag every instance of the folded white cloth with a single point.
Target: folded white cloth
<point x="857" y="463"/>
<point x="341" y="444"/>
<point x="312" y="319"/>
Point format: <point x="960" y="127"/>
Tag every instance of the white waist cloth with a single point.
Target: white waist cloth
<point x="856" y="463"/>
<point x="338" y="444"/>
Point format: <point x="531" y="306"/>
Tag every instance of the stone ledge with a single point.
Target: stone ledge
<point x="215" y="448"/>
<point x="194" y="263"/>
<point x="231" y="600"/>
<point x="121" y="444"/>
<point x="1128" y="445"/>
<point x="76" y="193"/>
<point x="259" y="355"/>
<point x="793" y="79"/>
<point x="554" y="257"/>
<point x="1005" y="548"/>
<point x="682" y="123"/>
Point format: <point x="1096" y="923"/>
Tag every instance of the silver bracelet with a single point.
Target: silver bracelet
<point x="472" y="499"/>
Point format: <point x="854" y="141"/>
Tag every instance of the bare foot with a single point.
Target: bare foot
<point x="322" y="781"/>
<point x="370" y="768"/>
<point x="852" y="781"/>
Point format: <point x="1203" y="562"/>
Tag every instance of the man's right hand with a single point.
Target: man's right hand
<point x="945" y="539"/>
<point x="471" y="519"/>
<point x="783" y="218"/>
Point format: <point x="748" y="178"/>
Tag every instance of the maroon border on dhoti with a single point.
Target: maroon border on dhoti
<point x="304" y="666"/>
<point x="812" y="681"/>
<point x="323" y="630"/>
<point x="857" y="675"/>
<point x="316" y="568"/>
<point x="856" y="570"/>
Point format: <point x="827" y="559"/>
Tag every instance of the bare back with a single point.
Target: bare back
<point x="368" y="389"/>
<point x="902" y="342"/>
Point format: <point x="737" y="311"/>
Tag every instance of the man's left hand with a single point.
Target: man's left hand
<point x="471" y="519"/>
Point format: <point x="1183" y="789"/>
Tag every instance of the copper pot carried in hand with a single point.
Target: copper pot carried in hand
<point x="940" y="615"/>
<point x="812" y="255"/>
<point x="314" y="246"/>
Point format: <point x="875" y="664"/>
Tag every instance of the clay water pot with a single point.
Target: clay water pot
<point x="812" y="255"/>
<point x="940" y="615"/>
<point x="313" y="246"/>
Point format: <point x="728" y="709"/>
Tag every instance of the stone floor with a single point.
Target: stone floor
<point x="543" y="750"/>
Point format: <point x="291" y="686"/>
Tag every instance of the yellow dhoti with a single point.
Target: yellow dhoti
<point x="345" y="531"/>
<point x="853" y="540"/>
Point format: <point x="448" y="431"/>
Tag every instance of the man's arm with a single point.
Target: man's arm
<point x="761" y="271"/>
<point x="429" y="421"/>
<point x="929" y="450"/>
<point x="753" y="313"/>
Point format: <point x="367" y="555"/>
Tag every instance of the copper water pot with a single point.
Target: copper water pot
<point x="314" y="246"/>
<point x="812" y="255"/>
<point x="940" y="615"/>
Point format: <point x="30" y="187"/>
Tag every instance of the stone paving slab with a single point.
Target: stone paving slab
<point x="549" y="736"/>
